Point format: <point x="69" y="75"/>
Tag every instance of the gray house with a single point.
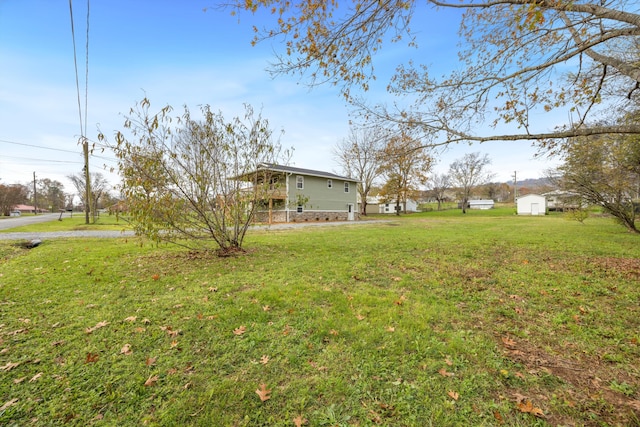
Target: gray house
<point x="305" y="195"/>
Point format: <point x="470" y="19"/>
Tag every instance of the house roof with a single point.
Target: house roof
<point x="300" y="171"/>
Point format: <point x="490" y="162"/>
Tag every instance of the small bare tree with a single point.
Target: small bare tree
<point x="467" y="173"/>
<point x="190" y="181"/>
<point x="99" y="186"/>
<point x="438" y="184"/>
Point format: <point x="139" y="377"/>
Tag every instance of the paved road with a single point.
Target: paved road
<point x="19" y="221"/>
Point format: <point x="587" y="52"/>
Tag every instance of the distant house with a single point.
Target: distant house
<point x="23" y="209"/>
<point x="482" y="204"/>
<point x="561" y="201"/>
<point x="532" y="204"/>
<point x="304" y="195"/>
<point x="382" y="205"/>
<point x="390" y="207"/>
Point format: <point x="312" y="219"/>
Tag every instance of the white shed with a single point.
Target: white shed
<point x="532" y="204"/>
<point x="481" y="204"/>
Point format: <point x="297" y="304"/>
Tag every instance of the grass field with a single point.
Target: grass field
<point x="77" y="222"/>
<point x="430" y="319"/>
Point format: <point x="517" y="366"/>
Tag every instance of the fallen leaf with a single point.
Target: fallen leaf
<point x="19" y="380"/>
<point x="8" y="404"/>
<point x="263" y="392"/>
<point x="400" y="300"/>
<point x="360" y="317"/>
<point x="264" y="359"/>
<point x="130" y="319"/>
<point x="239" y="331"/>
<point x="528" y="408"/>
<point x="266" y="308"/>
<point x="174" y="344"/>
<point x="126" y="350"/>
<point x="9" y="366"/>
<point x="508" y="342"/>
<point x="452" y="394"/>
<point x="333" y="332"/>
<point x="391" y="329"/>
<point x="498" y="417"/>
<point x="57" y="343"/>
<point x="155" y="277"/>
<point x="98" y="326"/>
<point x="444" y="372"/>
<point x="299" y="421"/>
<point x="36" y="377"/>
<point x="448" y="361"/>
<point x="150" y="361"/>
<point x="91" y="358"/>
<point x="151" y="381"/>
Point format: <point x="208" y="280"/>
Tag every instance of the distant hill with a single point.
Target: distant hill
<point x="533" y="182"/>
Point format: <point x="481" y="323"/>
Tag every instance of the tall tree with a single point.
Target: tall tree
<point x="10" y="196"/>
<point x="467" y="173"/>
<point x="192" y="181"/>
<point x="518" y="58"/>
<point x="50" y="194"/>
<point x="406" y="166"/>
<point x="99" y="186"/>
<point x="360" y="156"/>
<point x="605" y="171"/>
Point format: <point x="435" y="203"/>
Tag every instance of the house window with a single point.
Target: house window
<point x="299" y="210"/>
<point x="346" y="187"/>
<point x="300" y="182"/>
<point x="329" y="183"/>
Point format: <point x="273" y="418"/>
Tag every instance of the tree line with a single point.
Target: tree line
<point x="50" y="195"/>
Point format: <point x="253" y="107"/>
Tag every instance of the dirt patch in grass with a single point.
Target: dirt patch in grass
<point x="628" y="268"/>
<point x="588" y="386"/>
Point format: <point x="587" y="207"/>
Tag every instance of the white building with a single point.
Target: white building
<point x="481" y="204"/>
<point x="532" y="204"/>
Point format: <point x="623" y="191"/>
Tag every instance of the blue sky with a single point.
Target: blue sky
<point x="175" y="53"/>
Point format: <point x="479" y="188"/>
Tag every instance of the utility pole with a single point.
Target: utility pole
<point x="87" y="178"/>
<point x="515" y="186"/>
<point x="35" y="195"/>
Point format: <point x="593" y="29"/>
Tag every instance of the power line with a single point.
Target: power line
<point x="39" y="160"/>
<point x="38" y="146"/>
<point x="55" y="149"/>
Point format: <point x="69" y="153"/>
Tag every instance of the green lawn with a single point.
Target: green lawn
<point x="75" y="222"/>
<point x="458" y="320"/>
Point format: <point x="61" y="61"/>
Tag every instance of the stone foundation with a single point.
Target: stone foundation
<point x="308" y="216"/>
